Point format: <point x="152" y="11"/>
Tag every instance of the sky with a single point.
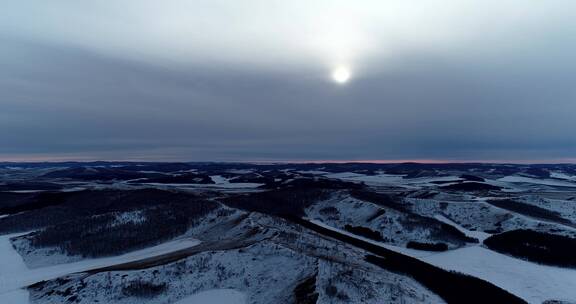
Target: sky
<point x="253" y="80"/>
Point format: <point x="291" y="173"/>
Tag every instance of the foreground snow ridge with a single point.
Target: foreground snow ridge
<point x="14" y="274"/>
<point x="215" y="296"/>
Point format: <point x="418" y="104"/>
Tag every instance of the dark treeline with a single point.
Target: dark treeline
<point x="472" y="178"/>
<point x="184" y="178"/>
<point x="427" y="246"/>
<point x="46" y="209"/>
<point x="26" y="202"/>
<point x="471" y="186"/>
<point x="278" y="202"/>
<point x="365" y="232"/>
<point x="292" y="199"/>
<point x="143" y="289"/>
<point x="378" y="199"/>
<point x="305" y="292"/>
<point x="530" y="210"/>
<point x="29" y="185"/>
<point x="109" y="234"/>
<point x="98" y="174"/>
<point x="535" y="246"/>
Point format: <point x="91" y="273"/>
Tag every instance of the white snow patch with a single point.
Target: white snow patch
<point x="533" y="282"/>
<point x="215" y="296"/>
<point x="218" y="179"/>
<point x="562" y="176"/>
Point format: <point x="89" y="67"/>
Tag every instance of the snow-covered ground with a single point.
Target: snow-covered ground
<point x="14" y="274"/>
<point x="265" y="272"/>
<point x="532" y="282"/>
<point x="537" y="181"/>
<point x="391" y="179"/>
<point x="260" y="271"/>
<point x="26" y="191"/>
<point x="396" y="227"/>
<point x="18" y="296"/>
<point x="215" y="296"/>
<point x="566" y="208"/>
<point x="11" y="265"/>
<point x="480" y="235"/>
<point x="219" y="179"/>
<point x="407" y="251"/>
<point x="512" y="183"/>
<point x="562" y="176"/>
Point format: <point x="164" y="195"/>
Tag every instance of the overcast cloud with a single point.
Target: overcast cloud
<point x="250" y="80"/>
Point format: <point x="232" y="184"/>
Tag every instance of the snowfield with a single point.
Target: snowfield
<point x="240" y="243"/>
<point x="532" y="282"/>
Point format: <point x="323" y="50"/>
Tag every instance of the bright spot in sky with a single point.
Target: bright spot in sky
<point x="341" y="74"/>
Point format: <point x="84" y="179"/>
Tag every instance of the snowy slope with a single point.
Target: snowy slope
<point x="532" y="282"/>
<point x="15" y="274"/>
<point x="11" y="265"/>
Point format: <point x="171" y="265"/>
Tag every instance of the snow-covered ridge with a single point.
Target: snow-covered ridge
<point x="532" y="282"/>
<point x="15" y="275"/>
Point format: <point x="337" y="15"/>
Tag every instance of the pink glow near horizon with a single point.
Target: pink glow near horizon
<point x="427" y="161"/>
<point x="84" y="158"/>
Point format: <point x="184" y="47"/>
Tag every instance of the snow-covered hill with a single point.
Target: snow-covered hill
<point x="236" y="233"/>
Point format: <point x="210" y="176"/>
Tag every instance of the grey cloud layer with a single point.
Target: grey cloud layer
<point x="216" y="80"/>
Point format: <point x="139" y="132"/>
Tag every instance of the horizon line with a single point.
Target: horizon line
<point x="560" y="161"/>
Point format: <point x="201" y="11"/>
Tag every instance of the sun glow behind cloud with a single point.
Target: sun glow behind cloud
<point x="272" y="34"/>
<point x="341" y="74"/>
<point x="77" y="73"/>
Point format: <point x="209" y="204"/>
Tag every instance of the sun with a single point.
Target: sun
<point x="341" y="74"/>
